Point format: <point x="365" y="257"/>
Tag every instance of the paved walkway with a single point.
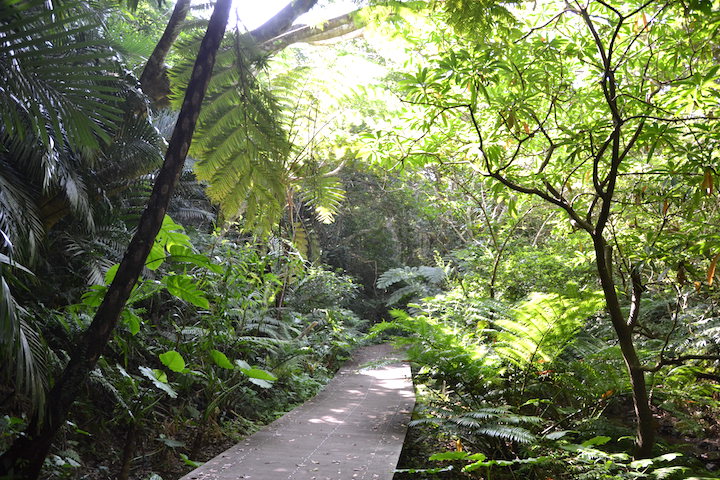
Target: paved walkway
<point x="352" y="430"/>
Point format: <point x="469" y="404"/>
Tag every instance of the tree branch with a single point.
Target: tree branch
<point x="334" y="28"/>
<point x="154" y="80"/>
<point x="637" y="290"/>
<point x="681" y="360"/>
<point x="282" y="21"/>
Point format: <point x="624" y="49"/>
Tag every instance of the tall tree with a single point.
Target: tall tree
<point x="25" y="458"/>
<point x="576" y="103"/>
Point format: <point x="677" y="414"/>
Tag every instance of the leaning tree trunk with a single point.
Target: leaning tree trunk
<point x="25" y="457"/>
<point x="646" y="430"/>
<point x="154" y="80"/>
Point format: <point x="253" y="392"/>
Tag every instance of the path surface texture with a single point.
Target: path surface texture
<point x="352" y="430"/>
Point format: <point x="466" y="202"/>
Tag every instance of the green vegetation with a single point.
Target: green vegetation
<point x="198" y="223"/>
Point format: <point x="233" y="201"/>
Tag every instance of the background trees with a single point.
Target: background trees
<point x="543" y="174"/>
<point x="577" y="105"/>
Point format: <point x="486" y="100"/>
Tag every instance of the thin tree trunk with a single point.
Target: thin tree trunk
<point x="25" y="457"/>
<point x="282" y="22"/>
<point x="154" y="80"/>
<point x="338" y="27"/>
<point x="646" y="430"/>
<point x="128" y="452"/>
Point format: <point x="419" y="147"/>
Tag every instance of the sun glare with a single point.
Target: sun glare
<point x="250" y="14"/>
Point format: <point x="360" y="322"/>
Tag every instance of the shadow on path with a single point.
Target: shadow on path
<point x="352" y="430"/>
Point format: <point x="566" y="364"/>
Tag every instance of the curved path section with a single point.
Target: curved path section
<point x="352" y="430"/>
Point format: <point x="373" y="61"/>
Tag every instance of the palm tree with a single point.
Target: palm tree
<point x="58" y="106"/>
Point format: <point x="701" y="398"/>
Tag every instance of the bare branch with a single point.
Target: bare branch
<point x="681" y="360"/>
<point x="338" y="27"/>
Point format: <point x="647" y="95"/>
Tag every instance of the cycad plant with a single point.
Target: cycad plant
<point x="58" y="105"/>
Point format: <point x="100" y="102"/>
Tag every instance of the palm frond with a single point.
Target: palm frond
<point x="21" y="348"/>
<point x="55" y="87"/>
<point x="20" y="221"/>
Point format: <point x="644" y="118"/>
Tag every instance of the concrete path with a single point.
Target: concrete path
<point x="352" y="430"/>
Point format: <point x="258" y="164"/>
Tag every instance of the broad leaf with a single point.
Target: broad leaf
<point x="131" y="321"/>
<point x="221" y="360"/>
<point x="173" y="360"/>
<point x="449" y="456"/>
<point x="159" y="379"/>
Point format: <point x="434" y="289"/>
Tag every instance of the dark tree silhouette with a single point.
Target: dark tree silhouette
<point x="25" y="457"/>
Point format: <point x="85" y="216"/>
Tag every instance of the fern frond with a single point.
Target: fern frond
<point x="484" y="424"/>
<point x="324" y="194"/>
<point x="543" y="326"/>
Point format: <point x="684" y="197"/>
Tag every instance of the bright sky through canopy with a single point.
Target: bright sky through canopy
<point x="251" y="14"/>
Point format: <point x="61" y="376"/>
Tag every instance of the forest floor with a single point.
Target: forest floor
<point x="353" y="429"/>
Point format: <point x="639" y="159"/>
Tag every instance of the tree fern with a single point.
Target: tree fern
<point x="415" y="282"/>
<point x="252" y="146"/>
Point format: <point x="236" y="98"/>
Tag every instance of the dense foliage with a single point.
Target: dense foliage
<point x="523" y="194"/>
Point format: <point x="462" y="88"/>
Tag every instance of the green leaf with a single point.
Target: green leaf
<point x="477" y="457"/>
<point x="431" y="471"/>
<point x="599" y="440"/>
<point x="259" y="374"/>
<point x="94" y="296"/>
<point x="642" y="463"/>
<point x="156" y="257"/>
<point x="172" y="234"/>
<point x="131" y="321"/>
<point x="173" y="360"/>
<point x="668" y="457"/>
<point x="669" y="472"/>
<point x="448" y="456"/>
<point x="110" y="274"/>
<point x="189" y="462"/>
<point x="261" y="378"/>
<point x="221" y="360"/>
<point x="183" y="287"/>
<point x="159" y="379"/>
<point x="474" y="466"/>
<point x="182" y="253"/>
